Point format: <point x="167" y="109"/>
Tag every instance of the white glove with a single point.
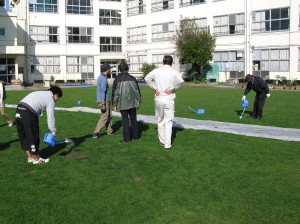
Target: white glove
<point x="244" y="97"/>
<point x="268" y="95"/>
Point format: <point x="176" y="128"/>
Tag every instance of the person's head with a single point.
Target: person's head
<point x="123" y="67"/>
<point x="168" y="60"/>
<point x="105" y="68"/>
<point x="249" y="78"/>
<point x="57" y="92"/>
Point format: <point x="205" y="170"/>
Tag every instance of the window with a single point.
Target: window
<point x="271" y="20"/>
<point x="271" y="59"/>
<point x="50" y="6"/>
<point x="2" y="3"/>
<point x="232" y="62"/>
<point x="44" y="34"/>
<point x="136" y="7"/>
<point x="136" y="62"/>
<point x="45" y="64"/>
<point x="159" y="5"/>
<point x="137" y="34"/>
<point x="199" y="23"/>
<point x="111" y="0"/>
<point x="79" y="6"/>
<point x="229" y="24"/>
<point x="80" y="35"/>
<point x="110" y="44"/>
<point x="162" y="31"/>
<point x="190" y="2"/>
<point x="81" y="64"/>
<point x="2" y="32"/>
<point x="110" y="17"/>
<point x="7" y="66"/>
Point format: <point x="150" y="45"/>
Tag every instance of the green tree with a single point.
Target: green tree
<point x="194" y="46"/>
<point x="147" y="68"/>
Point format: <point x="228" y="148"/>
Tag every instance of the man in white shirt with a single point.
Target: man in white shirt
<point x="164" y="80"/>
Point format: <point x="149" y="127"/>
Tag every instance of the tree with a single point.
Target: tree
<point x="194" y="46"/>
<point x="147" y="68"/>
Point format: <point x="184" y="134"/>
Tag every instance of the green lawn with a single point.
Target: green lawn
<point x="210" y="177"/>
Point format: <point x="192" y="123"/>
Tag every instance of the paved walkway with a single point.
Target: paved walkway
<point x="285" y="134"/>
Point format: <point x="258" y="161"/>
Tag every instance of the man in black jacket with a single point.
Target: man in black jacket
<point x="126" y="97"/>
<point x="262" y="92"/>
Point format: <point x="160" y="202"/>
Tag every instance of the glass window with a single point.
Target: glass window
<point x="136" y="7"/>
<point x="161" y="32"/>
<point x="137" y="34"/>
<point x="229" y="24"/>
<point x="2" y="32"/>
<point x="80" y="35"/>
<point x="110" y="17"/>
<point x="44" y="34"/>
<point x="45" y="64"/>
<point x="110" y="44"/>
<point x="79" y="6"/>
<point x="271" y="20"/>
<point x="81" y="64"/>
<point x="49" y="6"/>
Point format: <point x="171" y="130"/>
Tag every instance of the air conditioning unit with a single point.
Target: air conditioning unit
<point x="239" y="54"/>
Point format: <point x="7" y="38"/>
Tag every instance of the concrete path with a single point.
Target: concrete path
<point x="285" y="134"/>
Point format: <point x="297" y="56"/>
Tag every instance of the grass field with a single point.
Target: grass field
<point x="210" y="177"/>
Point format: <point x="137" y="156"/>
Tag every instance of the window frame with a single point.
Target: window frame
<point x="110" y="19"/>
<point x="158" y="33"/>
<point x="225" y="25"/>
<point x="44" y="7"/>
<point x="262" y="24"/>
<point x="45" y="64"/>
<point x="78" y="8"/>
<point x="44" y="36"/>
<point x="134" y="36"/>
<point x="83" y="65"/>
<point x="83" y="35"/>
<point x="111" y="44"/>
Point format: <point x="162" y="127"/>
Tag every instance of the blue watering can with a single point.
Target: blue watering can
<point x="50" y="140"/>
<point x="199" y="111"/>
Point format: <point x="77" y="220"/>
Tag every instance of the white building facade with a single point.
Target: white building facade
<point x="67" y="40"/>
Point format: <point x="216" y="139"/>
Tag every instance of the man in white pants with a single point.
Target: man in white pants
<point x="164" y="80"/>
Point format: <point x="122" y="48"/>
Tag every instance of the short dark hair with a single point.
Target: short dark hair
<point x="123" y="67"/>
<point x="168" y="60"/>
<point x="56" y="90"/>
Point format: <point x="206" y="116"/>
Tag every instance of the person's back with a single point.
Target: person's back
<point x="164" y="80"/>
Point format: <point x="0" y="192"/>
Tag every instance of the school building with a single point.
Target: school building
<point x="68" y="40"/>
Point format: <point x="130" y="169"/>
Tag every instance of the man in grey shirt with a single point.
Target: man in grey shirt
<point x="28" y="110"/>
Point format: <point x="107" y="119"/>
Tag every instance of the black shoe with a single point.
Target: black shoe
<point x="258" y="118"/>
<point x="96" y="135"/>
<point x="253" y="117"/>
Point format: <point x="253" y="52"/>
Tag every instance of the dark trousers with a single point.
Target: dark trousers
<point x="258" y="105"/>
<point x="28" y="129"/>
<point x="134" y="124"/>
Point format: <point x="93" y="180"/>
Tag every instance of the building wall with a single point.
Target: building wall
<point x="245" y="44"/>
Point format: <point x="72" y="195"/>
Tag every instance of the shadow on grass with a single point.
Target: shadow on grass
<point x="49" y="151"/>
<point x="117" y="126"/>
<point x="239" y="112"/>
<point x="6" y="145"/>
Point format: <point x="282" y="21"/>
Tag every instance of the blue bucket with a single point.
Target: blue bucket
<point x="49" y="139"/>
<point x="244" y="103"/>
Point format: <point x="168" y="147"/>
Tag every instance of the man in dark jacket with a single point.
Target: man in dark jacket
<point x="126" y="98"/>
<point x="262" y="92"/>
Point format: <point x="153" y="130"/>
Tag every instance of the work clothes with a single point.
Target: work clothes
<point x="126" y="97"/>
<point x="261" y="88"/>
<point x="163" y="79"/>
